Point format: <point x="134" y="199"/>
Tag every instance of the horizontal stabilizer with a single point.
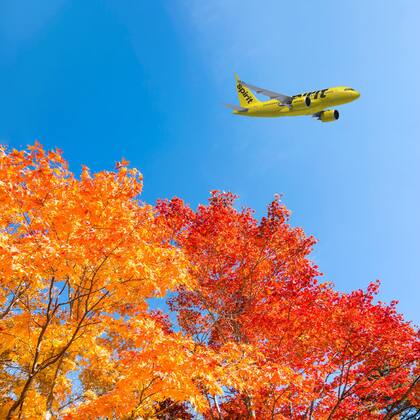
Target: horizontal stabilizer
<point x="237" y="108"/>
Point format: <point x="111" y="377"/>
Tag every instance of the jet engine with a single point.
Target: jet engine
<point x="301" y="102"/>
<point x="329" y="115"/>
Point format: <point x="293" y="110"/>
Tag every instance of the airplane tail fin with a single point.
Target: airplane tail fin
<point x="246" y="97"/>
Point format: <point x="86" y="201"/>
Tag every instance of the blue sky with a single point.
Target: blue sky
<point x="103" y="79"/>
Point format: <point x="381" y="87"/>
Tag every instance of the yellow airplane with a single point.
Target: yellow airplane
<point x="279" y="105"/>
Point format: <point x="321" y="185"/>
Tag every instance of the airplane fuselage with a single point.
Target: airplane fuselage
<point x="319" y="101"/>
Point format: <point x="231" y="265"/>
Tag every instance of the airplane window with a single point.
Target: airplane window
<point x="349" y="89"/>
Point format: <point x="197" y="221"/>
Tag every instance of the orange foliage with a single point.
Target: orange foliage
<point x="260" y="338"/>
<point x="78" y="259"/>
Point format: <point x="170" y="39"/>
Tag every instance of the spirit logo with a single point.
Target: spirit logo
<point x="244" y="93"/>
<point x="319" y="93"/>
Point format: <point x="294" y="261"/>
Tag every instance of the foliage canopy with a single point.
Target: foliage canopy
<point x="258" y="336"/>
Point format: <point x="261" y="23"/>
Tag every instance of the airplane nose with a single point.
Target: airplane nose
<point x="356" y="94"/>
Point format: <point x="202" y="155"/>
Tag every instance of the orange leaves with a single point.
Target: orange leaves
<point x="158" y="365"/>
<point x="79" y="256"/>
<point x="72" y="251"/>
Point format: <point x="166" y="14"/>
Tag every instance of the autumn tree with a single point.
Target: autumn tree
<point x="259" y="337"/>
<point x="326" y="355"/>
<point x="78" y="259"/>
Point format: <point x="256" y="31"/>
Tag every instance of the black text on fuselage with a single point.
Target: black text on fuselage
<point x="319" y="93"/>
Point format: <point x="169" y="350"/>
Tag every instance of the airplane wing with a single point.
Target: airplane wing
<point x="237" y="108"/>
<point x="272" y="95"/>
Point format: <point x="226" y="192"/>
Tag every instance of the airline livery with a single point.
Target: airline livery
<point x="279" y="105"/>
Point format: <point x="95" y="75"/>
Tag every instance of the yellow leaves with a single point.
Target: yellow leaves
<point x="71" y="252"/>
<point x="34" y="407"/>
<point x="89" y="395"/>
<point x="157" y="366"/>
<point x="78" y="259"/>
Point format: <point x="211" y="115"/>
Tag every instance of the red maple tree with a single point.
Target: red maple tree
<point x="326" y="354"/>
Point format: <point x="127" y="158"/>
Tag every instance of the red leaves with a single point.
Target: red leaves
<point x="256" y="285"/>
<point x="262" y="338"/>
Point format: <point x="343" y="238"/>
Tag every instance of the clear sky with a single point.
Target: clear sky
<point x="103" y="79"/>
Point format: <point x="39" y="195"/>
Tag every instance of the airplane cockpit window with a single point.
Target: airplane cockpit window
<point x="349" y="89"/>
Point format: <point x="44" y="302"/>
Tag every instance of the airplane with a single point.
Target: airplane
<point x="280" y="105"/>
